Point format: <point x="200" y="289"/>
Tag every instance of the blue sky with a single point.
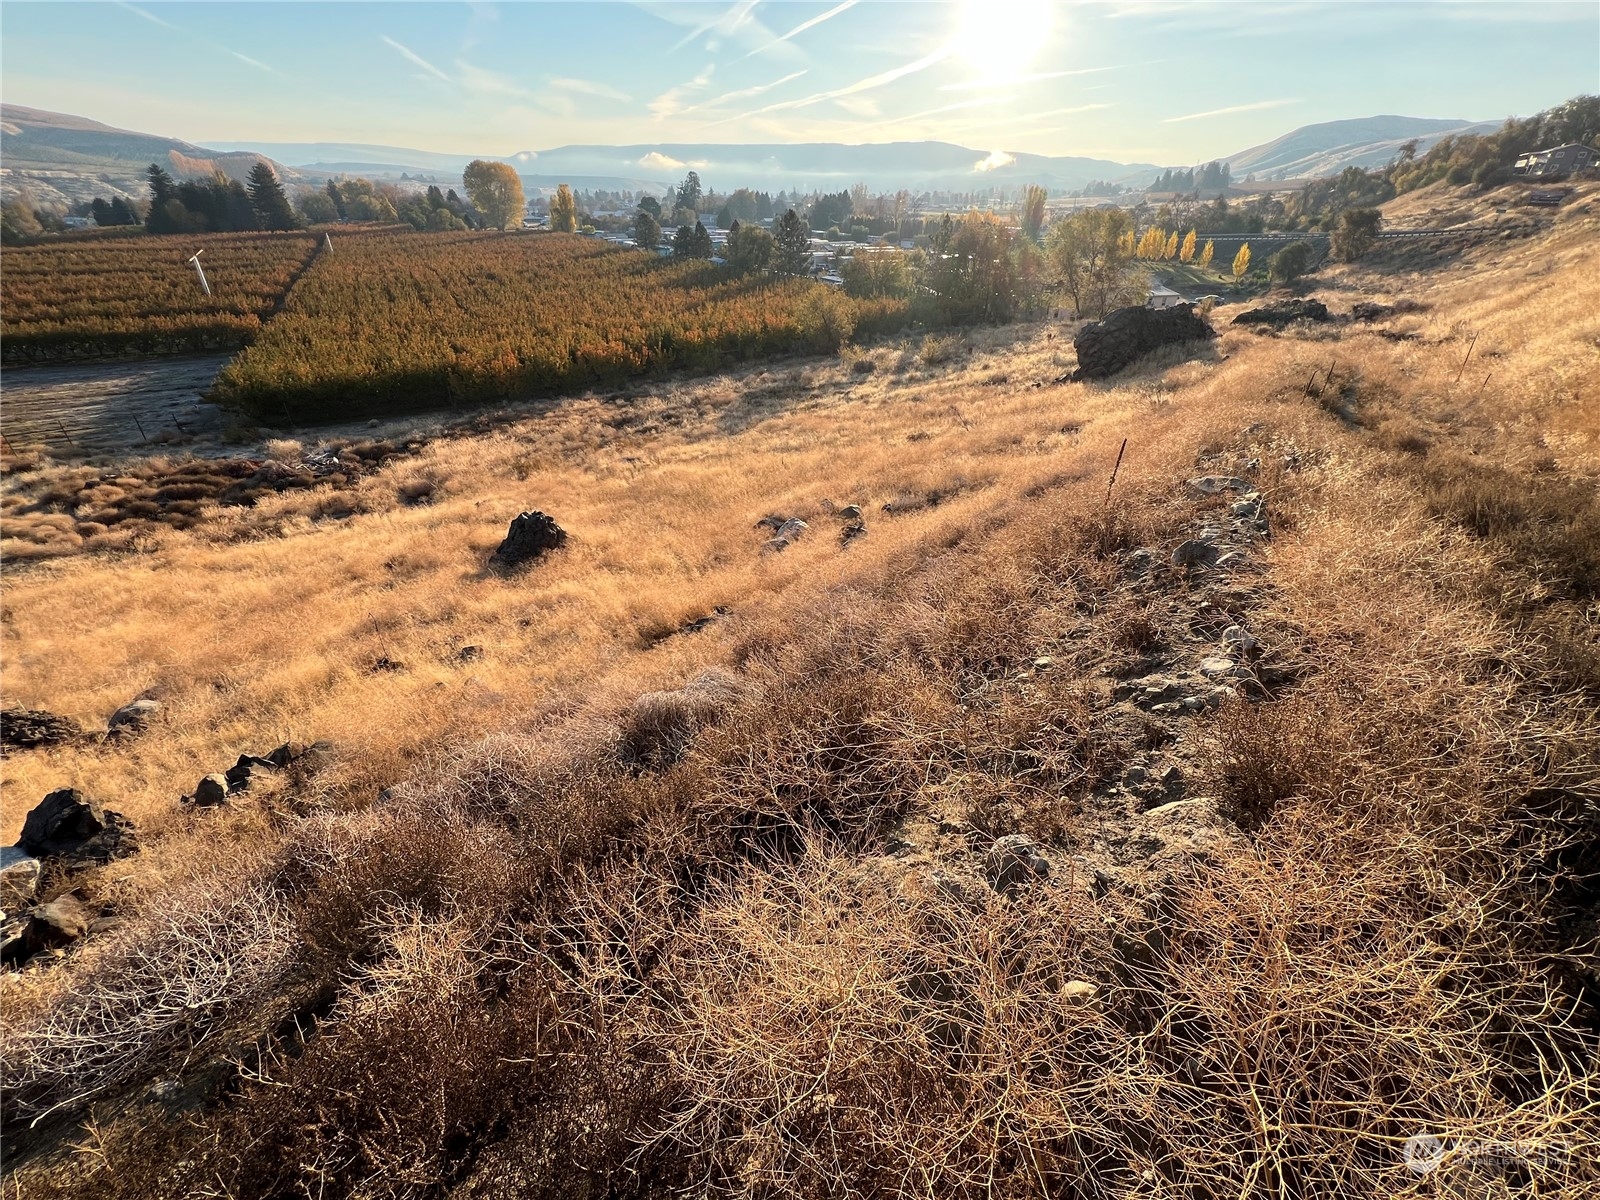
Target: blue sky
<point x="1154" y="82"/>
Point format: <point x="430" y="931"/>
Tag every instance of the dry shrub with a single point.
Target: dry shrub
<point x="938" y="349"/>
<point x="174" y="984"/>
<point x="660" y="725"/>
<point x="284" y="449"/>
<point x="833" y="1030"/>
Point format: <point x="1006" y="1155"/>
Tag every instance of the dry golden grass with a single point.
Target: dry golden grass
<point x="705" y="913"/>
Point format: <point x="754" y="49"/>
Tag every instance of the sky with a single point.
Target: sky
<point x="1134" y="82"/>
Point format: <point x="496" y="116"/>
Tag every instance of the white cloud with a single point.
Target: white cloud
<point x="805" y="25"/>
<point x="414" y="58"/>
<point x="741" y="94"/>
<point x="1017" y="80"/>
<point x="481" y="82"/>
<point x="996" y="160"/>
<point x="245" y="58"/>
<point x="1224" y="112"/>
<point x="859" y="106"/>
<point x="860" y="85"/>
<point x="671" y="102"/>
<point x="588" y="87"/>
<point x="657" y="161"/>
<point x="148" y="16"/>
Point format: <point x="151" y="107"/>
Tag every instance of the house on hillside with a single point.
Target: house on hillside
<point x="1558" y="160"/>
<point x="1162" y="296"/>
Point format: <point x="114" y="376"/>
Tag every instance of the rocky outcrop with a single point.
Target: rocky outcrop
<point x="33" y="729"/>
<point x="1128" y="334"/>
<point x="66" y="824"/>
<point x="532" y="535"/>
<point x="1284" y="312"/>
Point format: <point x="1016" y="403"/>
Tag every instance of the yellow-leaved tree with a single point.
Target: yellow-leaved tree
<point x="1125" y="244"/>
<point x="495" y="190"/>
<point x="1186" y="251"/>
<point x="1152" y="243"/>
<point x="1171" y="248"/>
<point x="1241" y="261"/>
<point x="1205" y="255"/>
<point x="564" y="211"/>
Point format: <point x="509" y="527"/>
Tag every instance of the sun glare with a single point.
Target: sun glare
<point x="998" y="38"/>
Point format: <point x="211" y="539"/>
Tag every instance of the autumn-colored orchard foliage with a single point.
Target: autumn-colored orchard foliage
<point x="109" y="296"/>
<point x="404" y="320"/>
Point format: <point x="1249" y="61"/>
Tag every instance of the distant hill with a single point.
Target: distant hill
<point x="825" y="165"/>
<point x="59" y="157"/>
<point x="1331" y="146"/>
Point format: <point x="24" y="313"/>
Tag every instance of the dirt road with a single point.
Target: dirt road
<point x="111" y="408"/>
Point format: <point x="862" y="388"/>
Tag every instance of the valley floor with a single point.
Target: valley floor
<point x="986" y="853"/>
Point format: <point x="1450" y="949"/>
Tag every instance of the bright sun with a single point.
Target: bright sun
<point x="998" y="38"/>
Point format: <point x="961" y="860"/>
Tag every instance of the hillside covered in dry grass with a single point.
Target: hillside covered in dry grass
<point x="983" y="853"/>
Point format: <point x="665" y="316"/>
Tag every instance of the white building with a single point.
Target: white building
<point x="1162" y="296"/>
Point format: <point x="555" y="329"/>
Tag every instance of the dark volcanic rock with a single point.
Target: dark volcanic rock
<point x="1128" y="334"/>
<point x="29" y="729"/>
<point x="1284" y="312"/>
<point x="531" y="535"/>
<point x="67" y="824"/>
<point x="47" y="927"/>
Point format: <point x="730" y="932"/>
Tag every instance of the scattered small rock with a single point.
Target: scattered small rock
<point x="210" y="791"/>
<point x="1015" y="861"/>
<point x="469" y="654"/>
<point x="850" y="512"/>
<point x="1079" y="991"/>
<point x="852" y="531"/>
<point x="1195" y="553"/>
<point x="1211" y="485"/>
<point x="532" y="535"/>
<point x="238" y="776"/>
<point x="19" y="878"/>
<point x="133" y="717"/>
<point x="1240" y="638"/>
<point x="46" y="927"/>
<point x="388" y="664"/>
<point x="1217" y="667"/>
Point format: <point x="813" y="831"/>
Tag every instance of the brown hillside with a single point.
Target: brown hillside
<point x="988" y="853"/>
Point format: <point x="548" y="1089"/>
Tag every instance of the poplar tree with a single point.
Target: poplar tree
<point x="1186" y="251"/>
<point x="564" y="211"/>
<point x="1241" y="262"/>
<point x="1171" y="249"/>
<point x="1205" y="255"/>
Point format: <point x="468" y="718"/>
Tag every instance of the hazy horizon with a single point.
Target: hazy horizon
<point x="1163" y="83"/>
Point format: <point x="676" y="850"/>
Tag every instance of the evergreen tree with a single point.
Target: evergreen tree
<point x="690" y="192"/>
<point x="436" y="197"/>
<point x="272" y="208"/>
<point x="646" y="231"/>
<point x="683" y="242"/>
<point x="337" y="197"/>
<point x="699" y="242"/>
<point x="792" y="248"/>
<point x="652" y="206"/>
<point x="750" y="249"/>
